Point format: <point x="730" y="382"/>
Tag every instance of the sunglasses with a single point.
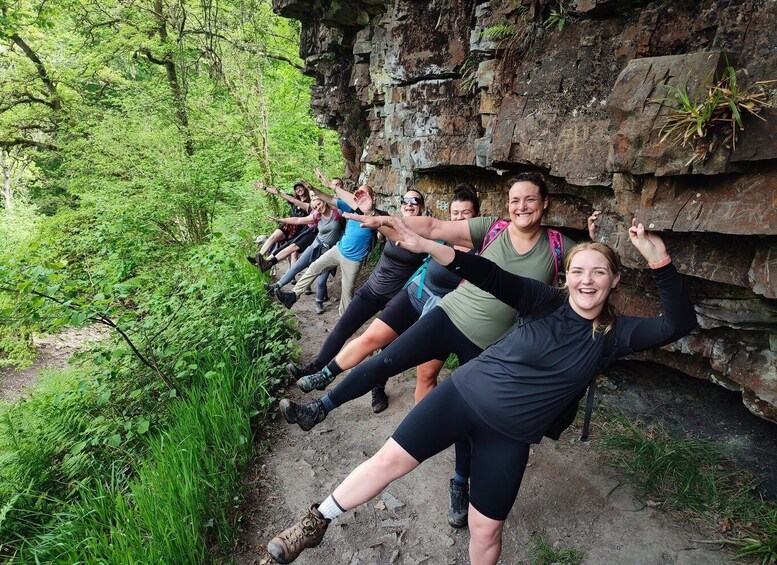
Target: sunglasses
<point x="412" y="200"/>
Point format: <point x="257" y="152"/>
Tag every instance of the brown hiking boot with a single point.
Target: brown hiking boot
<point x="307" y="532"/>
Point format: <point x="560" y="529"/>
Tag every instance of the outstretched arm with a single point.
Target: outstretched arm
<point x="454" y="233"/>
<point x="287" y="197"/>
<point x="309" y="219"/>
<point x="340" y="192"/>
<point x="679" y="316"/>
<point x="324" y="196"/>
<point x="519" y="292"/>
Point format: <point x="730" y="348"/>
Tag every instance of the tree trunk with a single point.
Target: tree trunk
<point x="172" y="79"/>
<point x="5" y="164"/>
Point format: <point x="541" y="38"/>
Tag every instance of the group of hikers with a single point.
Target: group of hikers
<point x="482" y="288"/>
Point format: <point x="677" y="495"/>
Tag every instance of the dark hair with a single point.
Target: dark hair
<point x="338" y="178"/>
<point x="537" y="179"/>
<point x="420" y="194"/>
<point x="467" y="192"/>
<point x="306" y="197"/>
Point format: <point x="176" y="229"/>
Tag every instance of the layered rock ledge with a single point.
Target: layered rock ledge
<point x="428" y="94"/>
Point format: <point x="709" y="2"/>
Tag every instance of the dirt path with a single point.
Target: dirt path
<point x="54" y="351"/>
<point x="569" y="494"/>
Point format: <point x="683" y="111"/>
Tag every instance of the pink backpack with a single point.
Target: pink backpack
<point x="556" y="244"/>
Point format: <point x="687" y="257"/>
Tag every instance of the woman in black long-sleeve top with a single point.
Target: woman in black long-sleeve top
<point x="508" y="397"/>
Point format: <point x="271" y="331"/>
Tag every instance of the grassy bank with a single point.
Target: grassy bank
<point x="699" y="478"/>
<point x="104" y="463"/>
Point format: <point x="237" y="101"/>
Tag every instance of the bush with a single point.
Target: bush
<point x="96" y="461"/>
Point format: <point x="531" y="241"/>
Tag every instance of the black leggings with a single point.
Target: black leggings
<point x="433" y="336"/>
<point x="365" y="305"/>
<point x="498" y="462"/>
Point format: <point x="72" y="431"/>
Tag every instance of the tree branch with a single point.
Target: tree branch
<point x="106" y="321"/>
<point x="21" y="142"/>
<point x="41" y="69"/>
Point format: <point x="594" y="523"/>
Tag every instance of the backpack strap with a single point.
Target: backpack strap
<point x="556" y="252"/>
<point x="419" y="274"/>
<point x="607" y="351"/>
<point x="496" y="228"/>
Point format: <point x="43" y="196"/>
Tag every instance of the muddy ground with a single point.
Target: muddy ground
<point x="53" y="351"/>
<point x="569" y="494"/>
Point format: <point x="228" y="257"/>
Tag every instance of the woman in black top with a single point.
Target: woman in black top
<point x="299" y="207"/>
<point x="508" y="397"/>
<point x="395" y="266"/>
<point x="429" y="283"/>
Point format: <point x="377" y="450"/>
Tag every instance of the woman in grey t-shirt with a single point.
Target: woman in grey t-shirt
<point x="330" y="229"/>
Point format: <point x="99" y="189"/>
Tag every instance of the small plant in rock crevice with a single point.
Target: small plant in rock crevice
<point x="559" y="16"/>
<point x="714" y="108"/>
<point x="499" y="32"/>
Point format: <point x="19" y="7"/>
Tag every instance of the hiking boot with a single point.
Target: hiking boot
<point x="319" y="306"/>
<point x="306" y="416"/>
<point x="286" y="298"/>
<point x="252" y="260"/>
<point x="379" y="399"/>
<point x="271" y="288"/>
<point x="318" y="380"/>
<point x="298" y="371"/>
<point x="458" y="504"/>
<point x="263" y="264"/>
<point x="307" y="532"/>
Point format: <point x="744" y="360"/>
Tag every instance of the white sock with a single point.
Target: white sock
<point x="330" y="509"/>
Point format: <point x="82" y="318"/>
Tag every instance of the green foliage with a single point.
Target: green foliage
<point x="697" y="476"/>
<point x="559" y="16"/>
<point x="141" y="132"/>
<point x="469" y="74"/>
<point x="499" y="32"/>
<point x="542" y="552"/>
<point x="712" y="107"/>
<point x="73" y="448"/>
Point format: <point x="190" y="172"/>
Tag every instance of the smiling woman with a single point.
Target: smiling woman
<point x="465" y="321"/>
<point x="509" y="396"/>
<point x="593" y="271"/>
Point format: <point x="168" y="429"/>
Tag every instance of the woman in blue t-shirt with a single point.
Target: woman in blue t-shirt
<point x="509" y="396"/>
<point x="394" y="268"/>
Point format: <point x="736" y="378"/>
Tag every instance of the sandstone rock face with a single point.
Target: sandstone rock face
<point x="429" y="94"/>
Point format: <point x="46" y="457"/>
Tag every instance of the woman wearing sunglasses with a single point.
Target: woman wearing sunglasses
<point x="464" y="323"/>
<point x="395" y="266"/>
<point x="427" y="286"/>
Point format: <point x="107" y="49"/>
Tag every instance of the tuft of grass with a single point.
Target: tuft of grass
<point x="559" y="16"/>
<point x="697" y="476"/>
<point x="542" y="552"/>
<point x="718" y="106"/>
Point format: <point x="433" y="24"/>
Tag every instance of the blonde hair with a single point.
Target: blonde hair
<point x="604" y="321"/>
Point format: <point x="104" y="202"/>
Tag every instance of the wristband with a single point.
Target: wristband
<point x="662" y="263"/>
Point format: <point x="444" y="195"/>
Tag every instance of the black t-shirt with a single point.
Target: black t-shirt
<point x="520" y="384"/>
<point x="396" y="265"/>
